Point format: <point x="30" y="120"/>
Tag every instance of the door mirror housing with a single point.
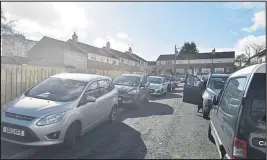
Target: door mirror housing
<point x="215" y="100"/>
<point x="87" y="99"/>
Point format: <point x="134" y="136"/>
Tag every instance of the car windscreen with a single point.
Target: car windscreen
<point x="258" y="87"/>
<point x="168" y="78"/>
<point x="216" y="83"/>
<point x="57" y="89"/>
<point x="127" y="81"/>
<point x="154" y="80"/>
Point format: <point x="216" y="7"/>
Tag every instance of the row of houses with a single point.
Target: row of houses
<point x="194" y="63"/>
<point x="257" y="58"/>
<point x="74" y="54"/>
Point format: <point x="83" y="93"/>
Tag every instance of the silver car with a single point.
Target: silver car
<point x="158" y="85"/>
<point x="59" y="109"/>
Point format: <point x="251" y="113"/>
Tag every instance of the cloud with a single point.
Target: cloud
<point x="239" y="46"/>
<point x="248" y="40"/>
<point x="233" y="32"/>
<point x="259" y="21"/>
<point x="54" y="19"/>
<point x="244" y="5"/>
<point x="122" y="35"/>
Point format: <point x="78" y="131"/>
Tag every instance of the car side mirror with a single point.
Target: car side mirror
<point x="215" y="100"/>
<point x="87" y="99"/>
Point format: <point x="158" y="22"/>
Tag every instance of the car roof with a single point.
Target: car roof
<point x="79" y="76"/>
<point x="134" y="75"/>
<point x="156" y="77"/>
<point x="256" y="68"/>
<point x="220" y="75"/>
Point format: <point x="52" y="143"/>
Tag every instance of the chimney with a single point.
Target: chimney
<point x="74" y="38"/>
<point x="130" y="50"/>
<point x="108" y="45"/>
<point x="213" y="51"/>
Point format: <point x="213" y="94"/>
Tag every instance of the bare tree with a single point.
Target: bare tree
<point x="253" y="49"/>
<point x="240" y="60"/>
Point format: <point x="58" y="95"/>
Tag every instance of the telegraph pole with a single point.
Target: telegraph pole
<point x="175" y="54"/>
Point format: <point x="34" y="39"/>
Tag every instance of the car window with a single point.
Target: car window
<point x="126" y="80"/>
<point x="258" y="95"/>
<point x="233" y="95"/>
<point x="93" y="90"/>
<point x="110" y="85"/>
<point x="57" y="89"/>
<point x="192" y="81"/>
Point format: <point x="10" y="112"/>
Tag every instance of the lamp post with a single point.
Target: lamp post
<point x="175" y="54"/>
<point x="213" y="53"/>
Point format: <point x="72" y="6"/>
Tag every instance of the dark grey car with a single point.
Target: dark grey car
<point x="133" y="89"/>
<point x="201" y="92"/>
<point x="215" y="83"/>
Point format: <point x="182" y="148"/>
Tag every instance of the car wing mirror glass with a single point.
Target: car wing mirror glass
<point x="89" y="98"/>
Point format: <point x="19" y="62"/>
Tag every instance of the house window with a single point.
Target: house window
<point x="93" y="57"/>
<point x="158" y="62"/>
<point x="113" y="61"/>
<point x="169" y="62"/>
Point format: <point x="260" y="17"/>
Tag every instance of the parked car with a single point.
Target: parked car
<point x="59" y="109"/>
<point x="212" y="87"/>
<point x="238" y="115"/>
<point x="182" y="78"/>
<point x="158" y="85"/>
<point x="170" y="82"/>
<point x="133" y="89"/>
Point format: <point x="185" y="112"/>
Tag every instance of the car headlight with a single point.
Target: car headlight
<point x="51" y="119"/>
<point x="132" y="92"/>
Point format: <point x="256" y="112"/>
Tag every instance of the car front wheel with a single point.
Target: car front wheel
<point x="70" y="137"/>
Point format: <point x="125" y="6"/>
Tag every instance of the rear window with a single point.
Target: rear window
<point x="258" y="87"/>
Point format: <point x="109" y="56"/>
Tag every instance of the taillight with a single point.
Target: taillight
<point x="239" y="149"/>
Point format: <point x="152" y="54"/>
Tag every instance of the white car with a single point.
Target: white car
<point x="158" y="85"/>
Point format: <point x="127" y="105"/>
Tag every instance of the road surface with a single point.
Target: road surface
<point x="163" y="128"/>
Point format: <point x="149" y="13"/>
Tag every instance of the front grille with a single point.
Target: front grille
<point x="29" y="135"/>
<point x="18" y="116"/>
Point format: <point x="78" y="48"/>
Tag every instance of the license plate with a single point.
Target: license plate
<point x="119" y="98"/>
<point x="17" y="132"/>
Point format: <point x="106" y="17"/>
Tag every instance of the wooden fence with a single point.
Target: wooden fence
<point x="16" y="79"/>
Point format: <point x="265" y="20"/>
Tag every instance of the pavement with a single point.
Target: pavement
<point x="163" y="128"/>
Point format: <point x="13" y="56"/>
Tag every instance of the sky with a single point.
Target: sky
<point x="150" y="28"/>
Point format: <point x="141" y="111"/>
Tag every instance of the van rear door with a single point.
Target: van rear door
<point x="256" y="121"/>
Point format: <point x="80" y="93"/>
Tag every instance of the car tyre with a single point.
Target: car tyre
<point x="70" y="136"/>
<point x="210" y="135"/>
<point x="112" y="114"/>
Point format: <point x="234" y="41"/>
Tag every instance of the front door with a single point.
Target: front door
<point x="192" y="93"/>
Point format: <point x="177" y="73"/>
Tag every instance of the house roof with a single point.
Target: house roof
<point x="207" y="55"/>
<point x="122" y="55"/>
<point x="151" y="63"/>
<point x="13" y="60"/>
<point x="138" y="57"/>
<point x="61" y="44"/>
<point x="263" y="52"/>
<point x="95" y="50"/>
